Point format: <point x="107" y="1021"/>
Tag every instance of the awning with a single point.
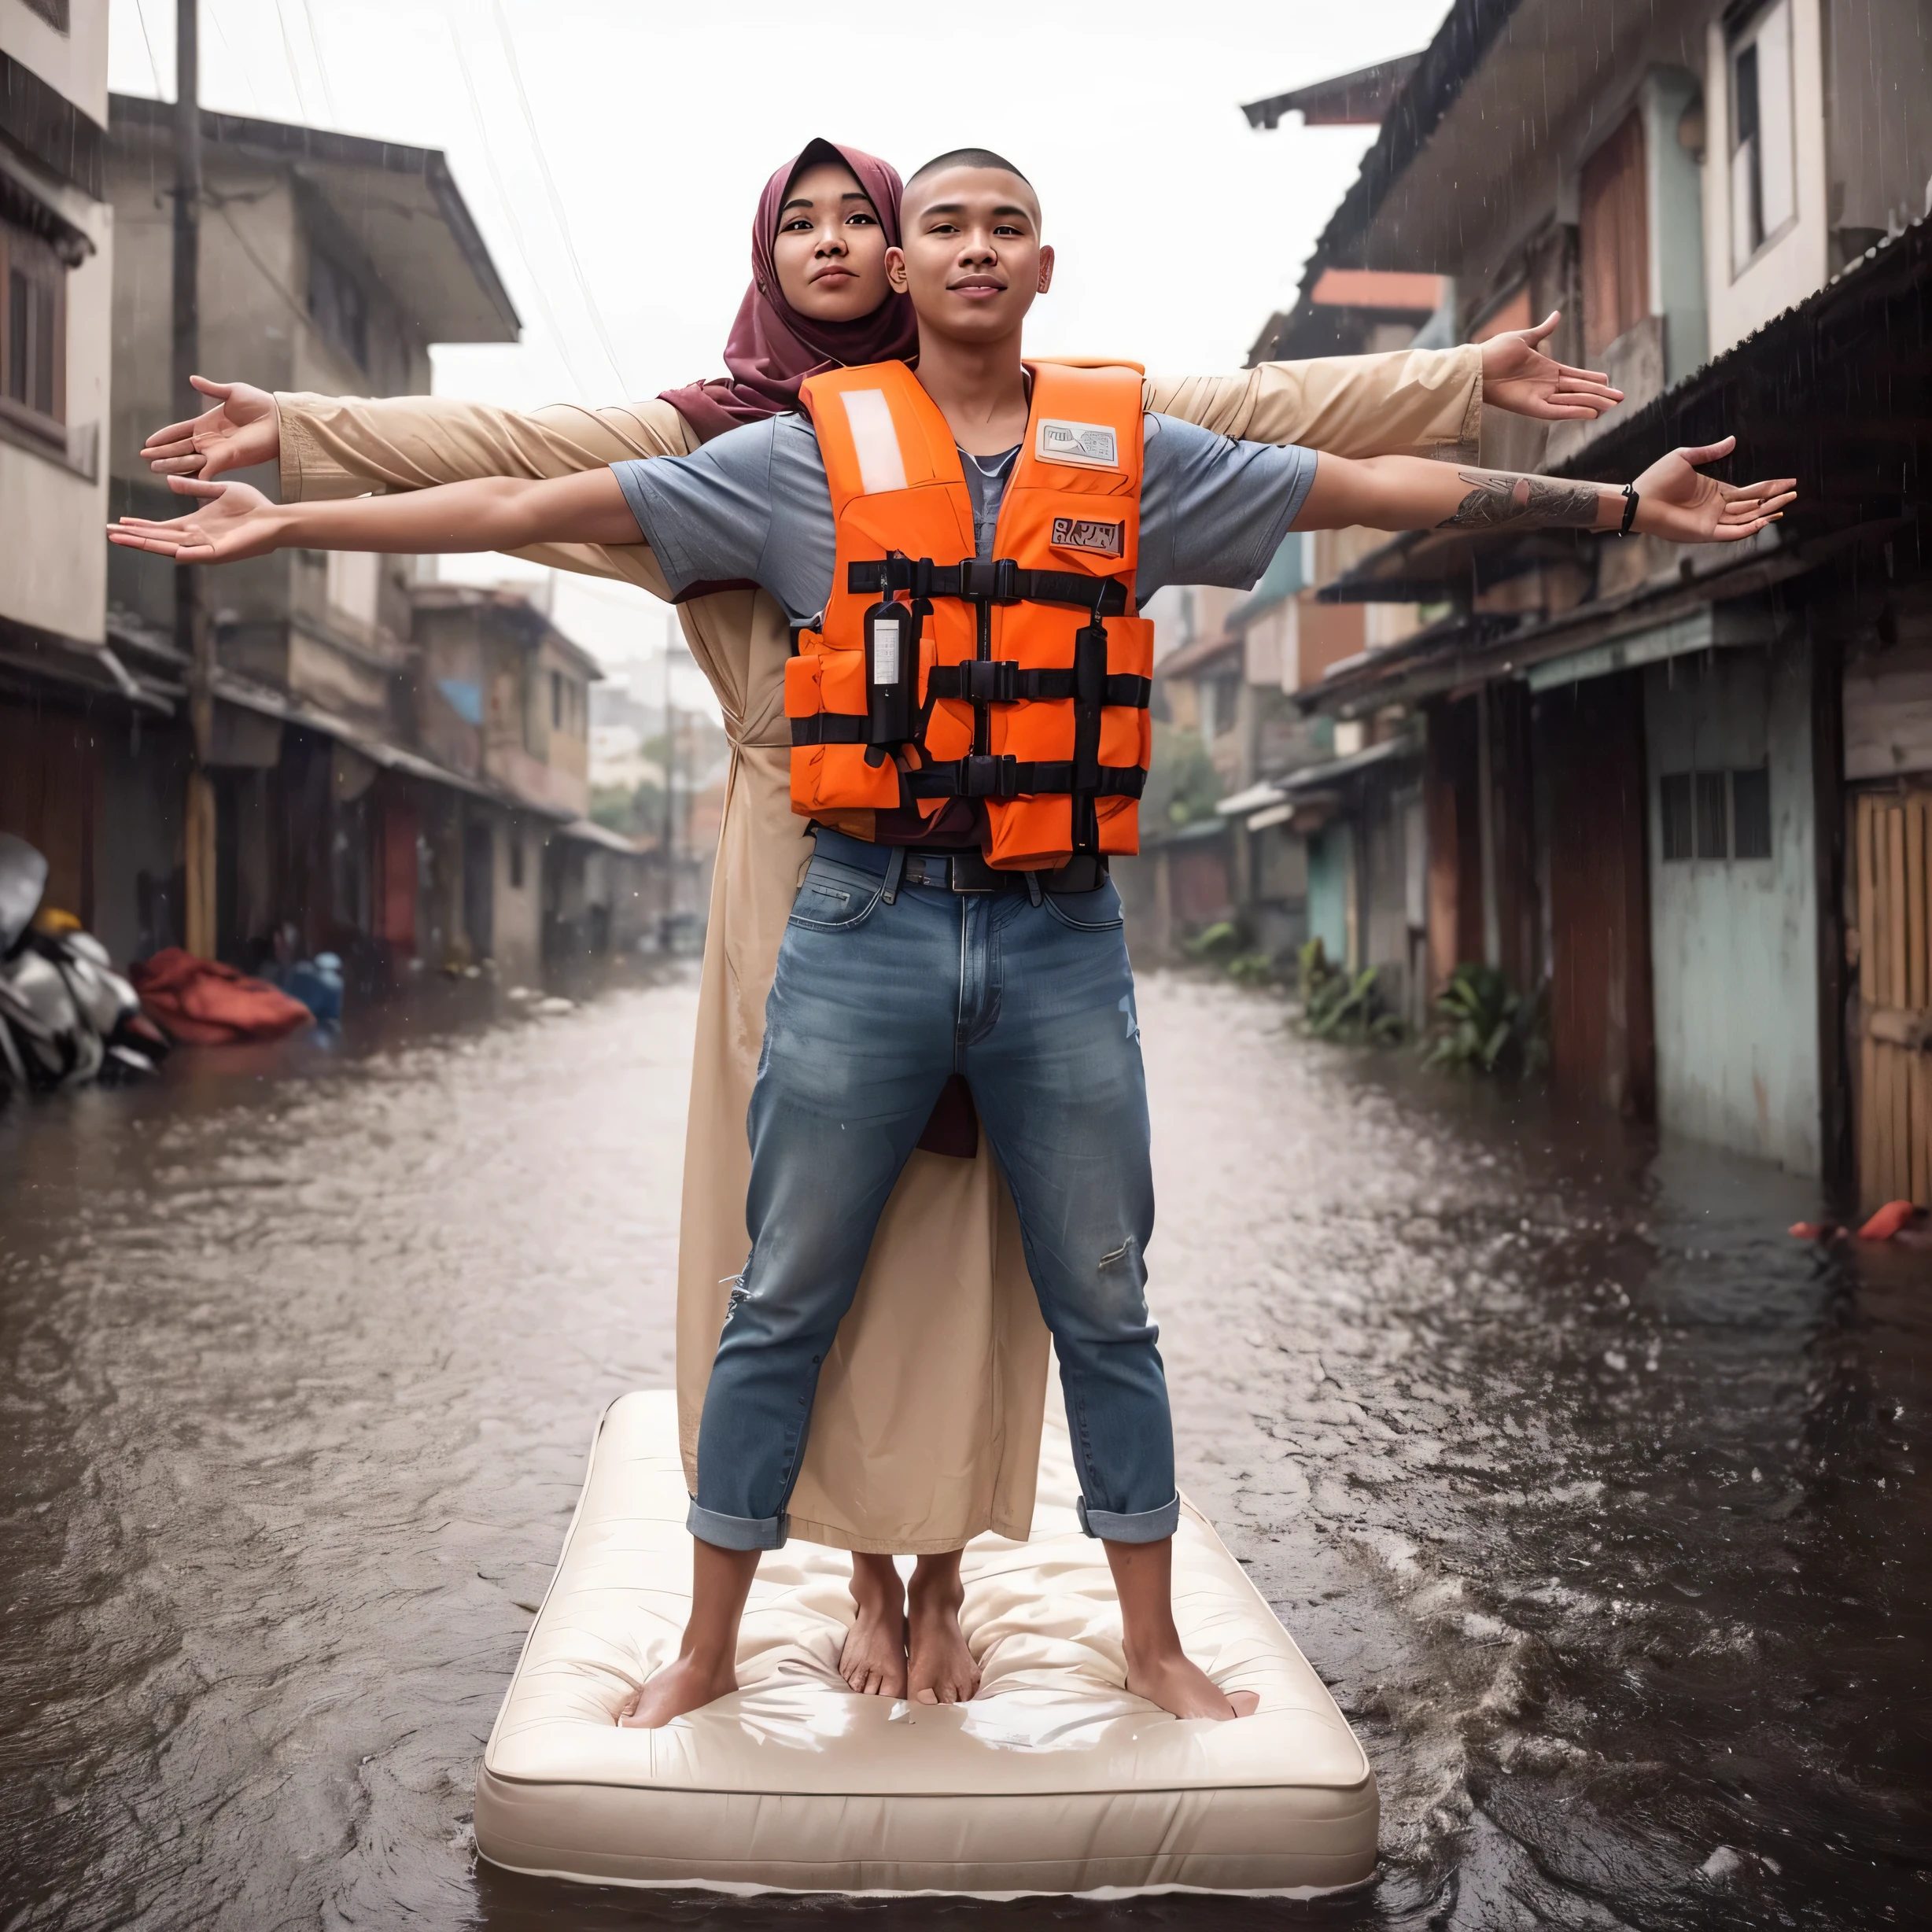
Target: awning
<point x="229" y="689"/>
<point x="1253" y="799"/>
<point x="588" y="831"/>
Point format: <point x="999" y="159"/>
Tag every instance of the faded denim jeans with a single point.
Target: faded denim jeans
<point x="876" y="1005"/>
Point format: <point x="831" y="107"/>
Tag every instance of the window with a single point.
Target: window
<point x="1708" y="789"/>
<point x="1613" y="214"/>
<point x="1716" y="815"/>
<point x="1676" y="792"/>
<point x="1750" y="814"/>
<point x="556" y="701"/>
<point x="33" y="324"/>
<point x="355" y="583"/>
<point x="340" y="309"/>
<point x="1763" y="181"/>
<point x="516" y="857"/>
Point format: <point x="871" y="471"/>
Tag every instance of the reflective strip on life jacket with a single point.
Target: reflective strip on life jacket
<point x="1022" y="681"/>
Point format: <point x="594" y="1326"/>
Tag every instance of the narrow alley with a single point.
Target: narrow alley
<point x="1591" y="1493"/>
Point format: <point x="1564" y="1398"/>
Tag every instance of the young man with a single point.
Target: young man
<point x="993" y="948"/>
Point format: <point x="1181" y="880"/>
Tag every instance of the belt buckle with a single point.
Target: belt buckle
<point x="955" y="867"/>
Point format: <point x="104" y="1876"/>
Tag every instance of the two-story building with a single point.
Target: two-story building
<point x="1685" y="787"/>
<point x="327" y="262"/>
<point x="75" y="712"/>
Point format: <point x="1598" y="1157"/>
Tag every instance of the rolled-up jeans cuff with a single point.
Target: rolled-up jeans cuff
<point x="1147" y="1526"/>
<point x="737" y="1533"/>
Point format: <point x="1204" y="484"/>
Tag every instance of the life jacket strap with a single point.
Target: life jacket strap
<point x="1000" y="681"/>
<point x="1000" y="582"/>
<point x="996" y="776"/>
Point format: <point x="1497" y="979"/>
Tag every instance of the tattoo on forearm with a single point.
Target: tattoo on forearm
<point x="1498" y="500"/>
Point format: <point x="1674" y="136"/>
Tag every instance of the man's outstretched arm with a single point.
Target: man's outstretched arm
<point x="1674" y="501"/>
<point x="493" y="513"/>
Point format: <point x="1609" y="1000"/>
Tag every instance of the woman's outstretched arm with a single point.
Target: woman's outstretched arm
<point x="1408" y="402"/>
<point x="492" y="513"/>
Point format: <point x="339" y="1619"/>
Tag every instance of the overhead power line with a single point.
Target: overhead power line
<point x="537" y="288"/>
<point x="556" y="200"/>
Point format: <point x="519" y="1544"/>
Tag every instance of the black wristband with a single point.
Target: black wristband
<point x="1630" y="509"/>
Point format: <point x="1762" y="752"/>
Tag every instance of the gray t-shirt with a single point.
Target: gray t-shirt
<point x="753" y="506"/>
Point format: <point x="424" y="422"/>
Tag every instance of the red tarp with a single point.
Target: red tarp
<point x="202" y="1003"/>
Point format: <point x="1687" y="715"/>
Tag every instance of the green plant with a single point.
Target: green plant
<point x="1338" y="1004"/>
<point x="1482" y="1027"/>
<point x="1182" y="783"/>
<point x="1216" y="943"/>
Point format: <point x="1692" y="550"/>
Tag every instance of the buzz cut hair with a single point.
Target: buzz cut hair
<point x="966" y="157"/>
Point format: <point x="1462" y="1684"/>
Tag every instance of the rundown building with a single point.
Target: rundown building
<point x="327" y="262"/>
<point x="84" y="724"/>
<point x="502" y="698"/>
<point x="1684" y="788"/>
<point x="1318" y="832"/>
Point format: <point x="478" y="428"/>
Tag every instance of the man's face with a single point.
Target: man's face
<point x="972" y="260"/>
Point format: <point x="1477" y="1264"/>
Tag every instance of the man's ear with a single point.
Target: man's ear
<point x="1046" y="267"/>
<point x="895" y="270"/>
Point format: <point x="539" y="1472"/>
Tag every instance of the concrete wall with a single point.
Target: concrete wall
<point x="51" y="512"/>
<point x="73" y="64"/>
<point x="1734" y="941"/>
<point x="517" y="944"/>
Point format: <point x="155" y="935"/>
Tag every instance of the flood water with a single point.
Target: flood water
<point x="1595" y="1496"/>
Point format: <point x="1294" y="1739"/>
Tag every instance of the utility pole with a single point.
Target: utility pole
<point x="192" y="637"/>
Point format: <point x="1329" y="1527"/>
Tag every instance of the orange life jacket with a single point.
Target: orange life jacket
<point x="931" y="675"/>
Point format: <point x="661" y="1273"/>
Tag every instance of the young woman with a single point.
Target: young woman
<point x="926" y="1424"/>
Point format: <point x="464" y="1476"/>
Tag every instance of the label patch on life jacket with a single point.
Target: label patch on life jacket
<point x="1099" y="540"/>
<point x="1087" y="445"/>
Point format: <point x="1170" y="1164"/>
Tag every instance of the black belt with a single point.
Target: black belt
<point x="1001" y="581"/>
<point x="966" y="870"/>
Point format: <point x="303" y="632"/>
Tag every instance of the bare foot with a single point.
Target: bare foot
<point x="873" y="1660"/>
<point x="941" y="1669"/>
<point x="683" y="1685"/>
<point x="1184" y="1688"/>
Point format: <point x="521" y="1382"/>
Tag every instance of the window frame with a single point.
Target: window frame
<point x="1743" y="38"/>
<point x="38" y="263"/>
<point x="1687" y="825"/>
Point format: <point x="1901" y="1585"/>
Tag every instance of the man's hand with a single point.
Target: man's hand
<point x="1518" y="376"/>
<point x="1674" y="502"/>
<point x="243" y="429"/>
<point x="233" y="521"/>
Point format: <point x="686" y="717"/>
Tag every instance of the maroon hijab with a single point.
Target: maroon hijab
<point x="772" y="348"/>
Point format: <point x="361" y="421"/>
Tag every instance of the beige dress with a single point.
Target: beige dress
<point x="925" y="1430"/>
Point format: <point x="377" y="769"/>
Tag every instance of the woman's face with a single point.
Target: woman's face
<point x="830" y="247"/>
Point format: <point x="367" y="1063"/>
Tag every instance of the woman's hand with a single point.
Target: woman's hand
<point x="243" y="429"/>
<point x="1676" y="503"/>
<point x="1518" y="376"/>
<point x="233" y="521"/>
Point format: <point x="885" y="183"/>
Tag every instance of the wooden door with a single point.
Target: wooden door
<point x="1892" y="844"/>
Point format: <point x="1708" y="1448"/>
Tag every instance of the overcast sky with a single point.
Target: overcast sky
<point x="1179" y="227"/>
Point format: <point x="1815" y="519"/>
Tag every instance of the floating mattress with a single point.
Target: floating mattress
<point x="1053" y="1779"/>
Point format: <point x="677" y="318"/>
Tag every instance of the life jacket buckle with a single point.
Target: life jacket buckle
<point x="990" y="681"/>
<point x="989" y="776"/>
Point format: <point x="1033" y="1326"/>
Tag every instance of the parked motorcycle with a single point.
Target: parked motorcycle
<point x="66" y="1016"/>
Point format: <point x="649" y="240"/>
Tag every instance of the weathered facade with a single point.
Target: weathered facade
<point x="1648" y="768"/>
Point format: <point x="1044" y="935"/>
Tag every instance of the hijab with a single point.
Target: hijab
<point x="772" y="348"/>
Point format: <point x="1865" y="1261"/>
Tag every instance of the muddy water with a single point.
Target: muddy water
<point x="1594" y="1496"/>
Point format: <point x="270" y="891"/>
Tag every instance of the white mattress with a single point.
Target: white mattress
<point x="1053" y="1779"/>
